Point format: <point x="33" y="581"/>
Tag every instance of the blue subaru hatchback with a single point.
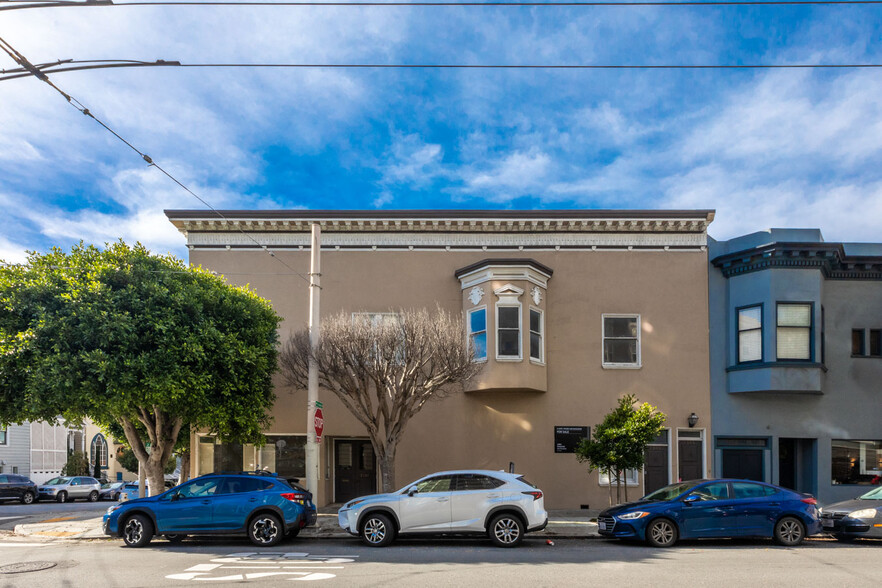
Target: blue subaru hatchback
<point x="265" y="508"/>
<point x="713" y="508"/>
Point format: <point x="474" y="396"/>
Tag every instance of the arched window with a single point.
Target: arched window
<point x="99" y="450"/>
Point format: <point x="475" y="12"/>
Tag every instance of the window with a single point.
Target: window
<point x="748" y="490"/>
<point x="478" y="333"/>
<point x="379" y="322"/>
<point x="439" y="484"/>
<point x="794" y="333"/>
<point x="98" y="452"/>
<point x="857" y="342"/>
<point x="3" y="436"/>
<point x="284" y="455"/>
<point x="750" y="334"/>
<point x="15" y="470"/>
<point x="715" y="491"/>
<point x="467" y="482"/>
<point x="508" y="331"/>
<point x="536" y="350"/>
<point x="875" y="342"/>
<point x="199" y="488"/>
<point x="621" y="341"/>
<point x="630" y="478"/>
<point x="856" y="462"/>
<point x="241" y="485"/>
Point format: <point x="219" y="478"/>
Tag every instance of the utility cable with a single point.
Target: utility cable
<point x="77" y="65"/>
<point x="23" y="62"/>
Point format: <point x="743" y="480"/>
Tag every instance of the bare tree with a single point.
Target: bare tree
<point x="384" y="368"/>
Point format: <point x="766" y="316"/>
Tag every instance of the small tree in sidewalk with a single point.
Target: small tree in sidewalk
<point x="384" y="371"/>
<point x="619" y="442"/>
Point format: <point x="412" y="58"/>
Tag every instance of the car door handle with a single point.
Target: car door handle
<point x="774" y="504"/>
<point x="443" y="499"/>
<point x="206" y="502"/>
<point x="252" y="499"/>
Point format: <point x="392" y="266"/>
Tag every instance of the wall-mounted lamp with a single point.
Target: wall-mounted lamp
<point x="693" y="418"/>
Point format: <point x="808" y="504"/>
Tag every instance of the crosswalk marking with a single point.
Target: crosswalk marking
<point x="265" y="564"/>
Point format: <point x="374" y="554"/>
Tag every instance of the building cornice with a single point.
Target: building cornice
<point x="488" y="270"/>
<point x="458" y="229"/>
<point x="829" y="258"/>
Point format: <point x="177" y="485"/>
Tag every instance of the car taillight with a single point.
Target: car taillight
<point x="535" y="494"/>
<point x="295" y="497"/>
<point x="809" y="500"/>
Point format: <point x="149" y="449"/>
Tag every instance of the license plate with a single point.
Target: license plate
<point x="601" y="526"/>
<point x="827" y="523"/>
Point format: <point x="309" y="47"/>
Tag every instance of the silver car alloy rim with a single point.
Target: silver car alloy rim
<point x="28" y="498"/>
<point x="375" y="530"/>
<point x="662" y="533"/>
<point x="134" y="531"/>
<point x="264" y="529"/>
<point x="790" y="531"/>
<point x="507" y="530"/>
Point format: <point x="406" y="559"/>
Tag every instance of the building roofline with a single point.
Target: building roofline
<point x="495" y="261"/>
<point x="830" y="258"/>
<point x="459" y="214"/>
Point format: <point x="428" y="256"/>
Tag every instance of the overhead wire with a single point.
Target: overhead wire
<point x="39" y="74"/>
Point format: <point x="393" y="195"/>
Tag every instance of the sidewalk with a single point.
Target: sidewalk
<point x="562" y="524"/>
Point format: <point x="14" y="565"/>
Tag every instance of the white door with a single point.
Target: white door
<point x="473" y="497"/>
<point x="428" y="509"/>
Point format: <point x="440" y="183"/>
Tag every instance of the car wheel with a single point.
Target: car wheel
<point x="662" y="533"/>
<point x="137" y="531"/>
<point x="93" y="496"/>
<point x="27" y="498"/>
<point x="506" y="530"/>
<point x="62" y="496"/>
<point x="265" y="530"/>
<point x="789" y="532"/>
<point x="377" y="530"/>
<point x="175" y="538"/>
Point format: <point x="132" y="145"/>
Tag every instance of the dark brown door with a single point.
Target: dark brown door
<point x="746" y="464"/>
<point x="689" y="459"/>
<point x="355" y="469"/>
<point x="655" y="473"/>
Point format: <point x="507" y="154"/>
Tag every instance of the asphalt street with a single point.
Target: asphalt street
<point x="450" y="562"/>
<point x="15" y="513"/>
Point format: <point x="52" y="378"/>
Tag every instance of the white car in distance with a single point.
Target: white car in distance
<point x="502" y="506"/>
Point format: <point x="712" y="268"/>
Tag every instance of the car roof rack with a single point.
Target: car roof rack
<point x="246" y="473"/>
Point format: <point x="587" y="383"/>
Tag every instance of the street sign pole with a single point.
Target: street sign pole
<point x="312" y="450"/>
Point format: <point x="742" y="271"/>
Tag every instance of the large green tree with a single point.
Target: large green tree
<point x="619" y="442"/>
<point x="126" y="337"/>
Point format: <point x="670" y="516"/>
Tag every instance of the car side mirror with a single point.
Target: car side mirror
<point x="691" y="498"/>
<point x="175" y="496"/>
<point x="412" y="490"/>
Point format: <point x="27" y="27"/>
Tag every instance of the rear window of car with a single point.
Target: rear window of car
<point x="748" y="490"/>
<point x="240" y="485"/>
<point x="527" y="482"/>
<point x="466" y="482"/>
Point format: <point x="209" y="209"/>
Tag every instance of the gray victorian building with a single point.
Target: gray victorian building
<point x="796" y="361"/>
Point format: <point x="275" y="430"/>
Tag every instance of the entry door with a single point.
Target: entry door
<point x="689" y="459"/>
<point x="355" y="469"/>
<point x="745" y="464"/>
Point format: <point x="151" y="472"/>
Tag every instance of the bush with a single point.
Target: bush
<point x="77" y="465"/>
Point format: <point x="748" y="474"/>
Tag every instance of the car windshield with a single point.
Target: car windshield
<point x="57" y="481"/>
<point x="670" y="492"/>
<point x="875" y="494"/>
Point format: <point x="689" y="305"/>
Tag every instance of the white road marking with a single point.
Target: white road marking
<point x="203" y="567"/>
<point x="265" y="560"/>
<point x="24" y="544"/>
<point x="10" y="518"/>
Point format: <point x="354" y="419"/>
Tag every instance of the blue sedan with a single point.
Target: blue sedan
<point x="713" y="509"/>
<point x="265" y="508"/>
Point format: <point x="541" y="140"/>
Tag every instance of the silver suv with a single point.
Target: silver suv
<point x="502" y="506"/>
<point x="66" y="488"/>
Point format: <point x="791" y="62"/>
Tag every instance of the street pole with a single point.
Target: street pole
<point x="315" y="274"/>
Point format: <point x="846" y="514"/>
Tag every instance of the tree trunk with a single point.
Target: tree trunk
<point x="626" y="485"/>
<point x="185" y="466"/>
<point x="386" y="462"/>
<point x="609" y="485"/>
<point x="163" y="433"/>
<point x="618" y="487"/>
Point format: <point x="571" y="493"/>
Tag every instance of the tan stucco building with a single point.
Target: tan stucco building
<point x="574" y="308"/>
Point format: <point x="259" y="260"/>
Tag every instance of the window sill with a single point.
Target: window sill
<point x="866" y="356"/>
<point x="757" y="365"/>
<point x="509" y="359"/>
<point x="537" y="362"/>
<point x="621" y="366"/>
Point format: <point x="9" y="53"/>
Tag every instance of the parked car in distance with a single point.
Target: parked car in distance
<point x="849" y="520"/>
<point x="499" y="505"/>
<point x="129" y="491"/>
<point x="64" y="488"/>
<point x="16" y="487"/>
<point x="110" y="491"/>
<point x="262" y="507"/>
<point x="713" y="509"/>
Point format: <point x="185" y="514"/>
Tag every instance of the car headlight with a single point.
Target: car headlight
<point x="354" y="502"/>
<point x="867" y="513"/>
<point x="633" y="515"/>
<point x="113" y="508"/>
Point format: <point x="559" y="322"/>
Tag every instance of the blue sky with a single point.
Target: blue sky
<point x="783" y="148"/>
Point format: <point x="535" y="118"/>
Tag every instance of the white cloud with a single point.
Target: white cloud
<point x="514" y="175"/>
<point x="11" y="252"/>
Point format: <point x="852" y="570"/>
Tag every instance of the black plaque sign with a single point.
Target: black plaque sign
<point x="566" y="439"/>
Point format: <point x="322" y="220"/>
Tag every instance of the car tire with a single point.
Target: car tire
<point x="506" y="530"/>
<point x="137" y="531"/>
<point x="61" y="497"/>
<point x="93" y="496"/>
<point x="377" y="530"/>
<point x="662" y="533"/>
<point x="789" y="532"/>
<point x="265" y="530"/>
<point x="177" y="538"/>
<point x="28" y="498"/>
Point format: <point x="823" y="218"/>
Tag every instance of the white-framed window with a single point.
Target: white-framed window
<point x="630" y="478"/>
<point x="621" y="340"/>
<point x="4" y="436"/>
<point x="99" y="450"/>
<point x="508" y="331"/>
<point x="382" y="319"/>
<point x="750" y="334"/>
<point x="537" y="340"/>
<point x="794" y="331"/>
<point x="478" y="332"/>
